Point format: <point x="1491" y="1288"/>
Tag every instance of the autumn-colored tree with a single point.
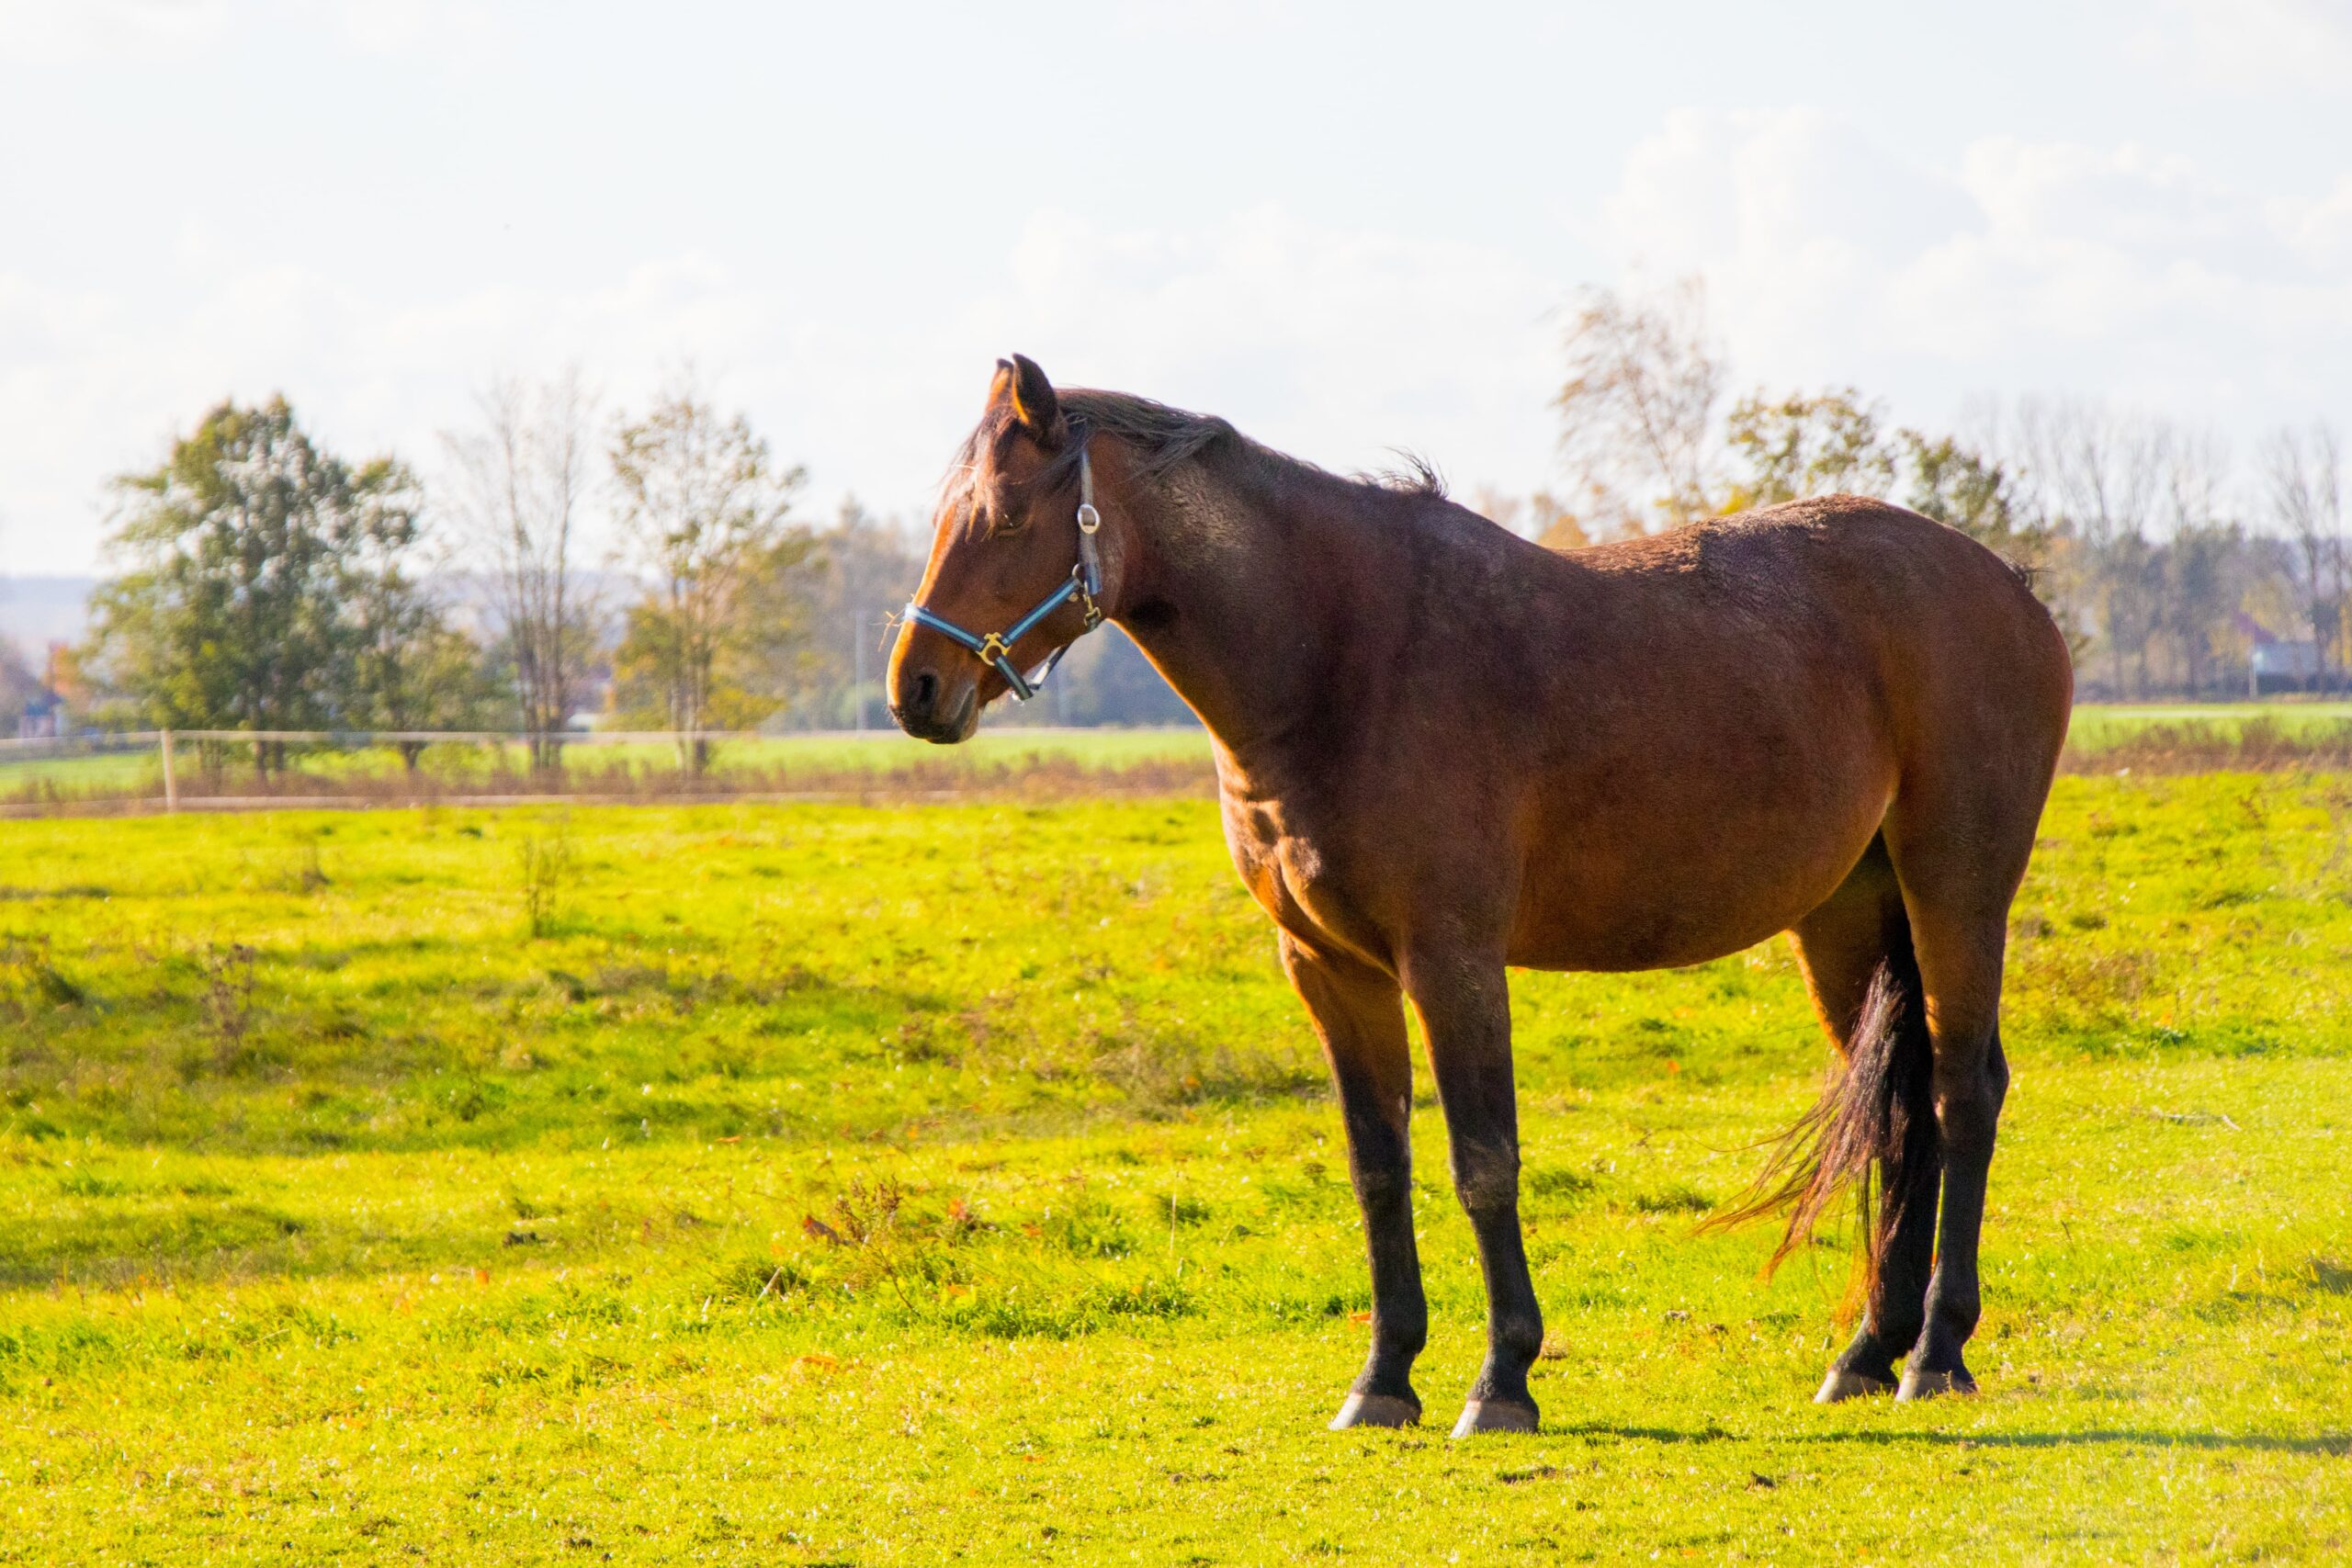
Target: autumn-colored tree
<point x="1637" y="410"/>
<point x="707" y="512"/>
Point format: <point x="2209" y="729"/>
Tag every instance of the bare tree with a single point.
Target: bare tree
<point x="2301" y="470"/>
<point x="1637" y="411"/>
<point x="520" y="487"/>
<point x="2203" y="558"/>
<point x="2100" y="473"/>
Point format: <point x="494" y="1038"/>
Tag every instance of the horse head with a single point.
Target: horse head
<point x="1012" y="549"/>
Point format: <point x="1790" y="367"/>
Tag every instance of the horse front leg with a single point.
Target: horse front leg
<point x="1359" y="1014"/>
<point x="1464" y="1003"/>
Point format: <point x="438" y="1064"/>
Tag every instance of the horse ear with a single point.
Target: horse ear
<point x="1023" y="387"/>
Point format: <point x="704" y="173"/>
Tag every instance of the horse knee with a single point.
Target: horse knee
<point x="1486" y="1182"/>
<point x="1974" y="1089"/>
<point x="1381" y="1186"/>
<point x="1968" y="1097"/>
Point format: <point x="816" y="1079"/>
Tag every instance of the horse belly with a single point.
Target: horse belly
<point x="1685" y="880"/>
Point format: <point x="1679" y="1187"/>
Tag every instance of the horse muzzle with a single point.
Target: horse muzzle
<point x="926" y="710"/>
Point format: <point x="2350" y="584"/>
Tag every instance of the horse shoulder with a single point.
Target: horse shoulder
<point x="1300" y="859"/>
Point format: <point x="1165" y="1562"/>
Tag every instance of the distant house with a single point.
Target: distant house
<point x="43" y="719"/>
<point x="2277" y="664"/>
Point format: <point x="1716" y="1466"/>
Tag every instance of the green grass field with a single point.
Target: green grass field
<point x="2101" y="725"/>
<point x="899" y="1185"/>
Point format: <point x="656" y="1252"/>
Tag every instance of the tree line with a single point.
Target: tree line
<point x="2168" y="562"/>
<point x="654" y="570"/>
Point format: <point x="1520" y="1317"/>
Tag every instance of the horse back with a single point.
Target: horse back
<point x="1666" y="749"/>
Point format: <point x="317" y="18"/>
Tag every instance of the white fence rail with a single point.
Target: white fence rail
<point x="235" y="770"/>
<point x="22" y="759"/>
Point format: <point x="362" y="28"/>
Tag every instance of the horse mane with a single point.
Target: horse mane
<point x="1162" y="437"/>
<point x="1166" y="437"/>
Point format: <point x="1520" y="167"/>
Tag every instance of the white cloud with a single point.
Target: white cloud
<point x="100" y="384"/>
<point x="1337" y="343"/>
<point x="76" y="33"/>
<point x="2026" y="266"/>
<point x="441" y="30"/>
<point x="1343" y="344"/>
<point x="56" y="33"/>
<point x="2246" y="46"/>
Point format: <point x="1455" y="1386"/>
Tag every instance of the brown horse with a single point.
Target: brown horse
<point x="1443" y="750"/>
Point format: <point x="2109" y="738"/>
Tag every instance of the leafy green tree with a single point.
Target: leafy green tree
<point x="404" y="666"/>
<point x="707" y="515"/>
<point x="1962" y="488"/>
<point x="244" y="550"/>
<point x="1799" y="445"/>
<point x="2203" y="582"/>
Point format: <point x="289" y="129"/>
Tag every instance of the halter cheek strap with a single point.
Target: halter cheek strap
<point x="1084" y="584"/>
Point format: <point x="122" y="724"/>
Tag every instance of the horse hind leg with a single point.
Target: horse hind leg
<point x="1959" y="868"/>
<point x="1855" y="951"/>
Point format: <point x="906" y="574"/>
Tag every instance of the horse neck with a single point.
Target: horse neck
<point x="1234" y="596"/>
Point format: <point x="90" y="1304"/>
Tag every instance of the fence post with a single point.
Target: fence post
<point x="170" y="780"/>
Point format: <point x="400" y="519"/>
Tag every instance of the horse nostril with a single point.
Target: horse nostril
<point x="925" y="694"/>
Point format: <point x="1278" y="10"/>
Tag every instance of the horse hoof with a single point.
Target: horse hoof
<point x="1493" y="1416"/>
<point x="1377" y="1410"/>
<point x="1920" y="1384"/>
<point x="1841" y="1384"/>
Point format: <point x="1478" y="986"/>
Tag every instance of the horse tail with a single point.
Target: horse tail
<point x="1875" y="1118"/>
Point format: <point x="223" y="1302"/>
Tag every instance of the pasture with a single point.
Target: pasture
<point x="1010" y="760"/>
<point x="891" y="1185"/>
<point x="844" y="763"/>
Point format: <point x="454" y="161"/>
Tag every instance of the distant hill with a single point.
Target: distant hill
<point x="38" y="611"/>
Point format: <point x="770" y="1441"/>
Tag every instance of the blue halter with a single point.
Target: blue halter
<point x="1084" y="584"/>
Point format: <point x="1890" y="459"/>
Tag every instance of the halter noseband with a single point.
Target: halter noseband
<point x="1084" y="584"/>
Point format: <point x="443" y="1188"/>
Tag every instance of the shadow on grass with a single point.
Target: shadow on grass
<point x="2338" y="1444"/>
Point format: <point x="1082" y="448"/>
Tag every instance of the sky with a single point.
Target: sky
<point x="1351" y="228"/>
